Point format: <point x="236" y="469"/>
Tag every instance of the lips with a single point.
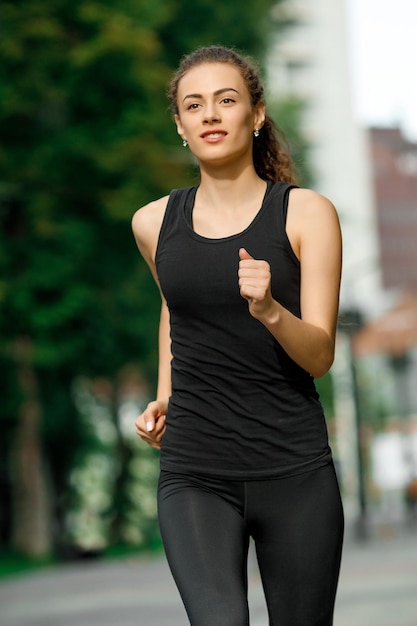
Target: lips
<point x="213" y="135"/>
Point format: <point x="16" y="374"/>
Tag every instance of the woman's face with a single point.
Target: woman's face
<point x="215" y="113"/>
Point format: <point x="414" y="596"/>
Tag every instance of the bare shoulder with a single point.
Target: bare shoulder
<point x="308" y="203"/>
<point x="311" y="218"/>
<point x="149" y="217"/>
<point x="146" y="224"/>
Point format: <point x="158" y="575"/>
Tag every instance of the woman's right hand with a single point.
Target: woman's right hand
<point x="150" y="425"/>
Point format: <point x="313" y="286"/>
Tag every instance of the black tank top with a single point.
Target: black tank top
<point x="240" y="407"/>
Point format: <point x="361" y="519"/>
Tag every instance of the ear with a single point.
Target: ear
<point x="259" y="115"/>
<point x="180" y="129"/>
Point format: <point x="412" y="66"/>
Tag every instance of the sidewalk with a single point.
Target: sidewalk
<point x="378" y="587"/>
<point x="378" y="582"/>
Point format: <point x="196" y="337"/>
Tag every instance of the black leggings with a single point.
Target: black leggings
<point x="297" y="527"/>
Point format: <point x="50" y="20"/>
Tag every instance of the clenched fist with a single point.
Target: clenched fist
<point x="255" y="284"/>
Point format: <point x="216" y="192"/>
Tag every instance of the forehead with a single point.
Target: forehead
<point x="210" y="77"/>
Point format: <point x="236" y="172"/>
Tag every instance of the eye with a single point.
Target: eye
<point x="228" y="101"/>
<point x="193" y="106"/>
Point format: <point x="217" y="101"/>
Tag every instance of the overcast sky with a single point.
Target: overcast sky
<point x="382" y="38"/>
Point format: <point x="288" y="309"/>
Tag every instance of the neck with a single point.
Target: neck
<point x="229" y="188"/>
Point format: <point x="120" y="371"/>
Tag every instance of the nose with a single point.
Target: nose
<point x="211" y="115"/>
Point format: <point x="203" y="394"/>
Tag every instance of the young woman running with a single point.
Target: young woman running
<point x="248" y="265"/>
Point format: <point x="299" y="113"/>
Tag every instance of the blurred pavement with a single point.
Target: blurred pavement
<point x="378" y="587"/>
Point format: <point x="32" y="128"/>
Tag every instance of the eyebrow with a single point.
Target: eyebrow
<point x="216" y="93"/>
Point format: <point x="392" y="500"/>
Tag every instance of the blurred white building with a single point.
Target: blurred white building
<point x="310" y="61"/>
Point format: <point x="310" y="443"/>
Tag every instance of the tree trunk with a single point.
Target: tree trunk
<point x="31" y="507"/>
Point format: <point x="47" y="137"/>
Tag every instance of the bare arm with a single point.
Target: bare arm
<point x="165" y="356"/>
<point x="314" y="233"/>
<point x="150" y="425"/>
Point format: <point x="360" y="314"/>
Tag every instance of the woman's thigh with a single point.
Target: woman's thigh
<point x="206" y="544"/>
<point x="297" y="524"/>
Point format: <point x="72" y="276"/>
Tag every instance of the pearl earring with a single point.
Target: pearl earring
<point x="256" y="132"/>
<point x="184" y="143"/>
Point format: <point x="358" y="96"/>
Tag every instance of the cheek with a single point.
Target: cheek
<point x="248" y="118"/>
<point x="246" y="123"/>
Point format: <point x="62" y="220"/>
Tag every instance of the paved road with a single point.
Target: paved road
<point x="378" y="587"/>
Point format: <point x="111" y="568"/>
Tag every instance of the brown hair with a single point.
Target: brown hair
<point x="270" y="150"/>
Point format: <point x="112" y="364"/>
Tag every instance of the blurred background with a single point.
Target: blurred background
<point x="86" y="138"/>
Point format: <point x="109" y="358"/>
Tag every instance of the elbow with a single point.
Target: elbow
<point x="322" y="364"/>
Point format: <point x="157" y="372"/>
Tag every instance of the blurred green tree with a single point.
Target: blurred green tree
<point x="247" y="27"/>
<point x="86" y="137"/>
<point x="82" y="95"/>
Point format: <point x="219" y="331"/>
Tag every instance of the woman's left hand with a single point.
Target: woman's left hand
<point x="255" y="284"/>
